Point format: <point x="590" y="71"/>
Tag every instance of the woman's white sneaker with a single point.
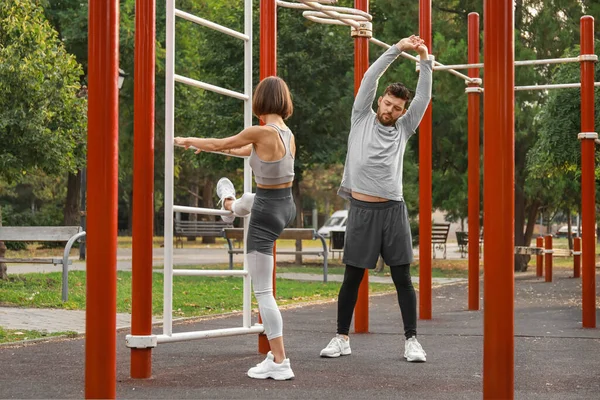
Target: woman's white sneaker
<point x="338" y="346"/>
<point x="225" y="190"/>
<point x="413" y="352"/>
<point x="268" y="368"/>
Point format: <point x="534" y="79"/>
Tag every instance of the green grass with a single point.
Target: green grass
<point x="16" y="335"/>
<point x="192" y="295"/>
<point x="440" y="268"/>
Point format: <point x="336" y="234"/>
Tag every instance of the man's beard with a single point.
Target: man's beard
<point x="386" y="119"/>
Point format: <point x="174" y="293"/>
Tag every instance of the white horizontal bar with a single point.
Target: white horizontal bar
<point x="212" y="88"/>
<point x="200" y="210"/>
<point x="556" y="86"/>
<point x="517" y="63"/>
<point x="183" y="336"/>
<point x="457" y="66"/>
<point x="210" y="272"/>
<point x="548" y="61"/>
<point x="211" y="25"/>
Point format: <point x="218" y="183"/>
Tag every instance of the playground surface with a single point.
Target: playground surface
<point x="554" y="357"/>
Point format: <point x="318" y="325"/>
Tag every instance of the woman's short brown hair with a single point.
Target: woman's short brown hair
<point x="272" y="96"/>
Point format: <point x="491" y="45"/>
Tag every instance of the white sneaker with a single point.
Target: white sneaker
<point x="413" y="352"/>
<point x="338" y="346"/>
<point x="225" y="190"/>
<point x="269" y="369"/>
<point x="243" y="206"/>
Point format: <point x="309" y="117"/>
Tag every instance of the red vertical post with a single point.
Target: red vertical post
<point x="548" y="257"/>
<point x="539" y="259"/>
<point x="425" y="129"/>
<point x="268" y="67"/>
<point x="473" y="150"/>
<point x="576" y="257"/>
<point x="103" y="138"/>
<point x="588" y="183"/>
<point x="498" y="194"/>
<point x="143" y="183"/>
<point x="361" y="64"/>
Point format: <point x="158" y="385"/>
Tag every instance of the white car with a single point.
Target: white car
<point x="562" y="232"/>
<point x="337" y="222"/>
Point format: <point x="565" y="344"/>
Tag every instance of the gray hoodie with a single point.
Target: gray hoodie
<point x="375" y="152"/>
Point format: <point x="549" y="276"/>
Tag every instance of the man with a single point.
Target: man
<point x="377" y="219"/>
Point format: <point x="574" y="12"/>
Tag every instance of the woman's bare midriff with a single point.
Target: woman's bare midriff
<point x="368" y="198"/>
<point x="281" y="186"/>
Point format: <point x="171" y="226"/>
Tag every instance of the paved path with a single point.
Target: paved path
<point x="187" y="256"/>
<point x="554" y="358"/>
<point x="58" y="320"/>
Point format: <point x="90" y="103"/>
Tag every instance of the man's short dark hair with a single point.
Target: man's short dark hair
<point x="398" y="90"/>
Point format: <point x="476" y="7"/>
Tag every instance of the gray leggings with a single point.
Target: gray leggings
<point x="272" y="211"/>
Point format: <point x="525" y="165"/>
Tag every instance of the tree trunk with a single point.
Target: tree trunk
<point x="569" y="229"/>
<point x="531" y="220"/>
<point x="71" y="217"/>
<point x="3" y="267"/>
<point x="299" y="218"/>
<point x="207" y="199"/>
<point x="520" y="260"/>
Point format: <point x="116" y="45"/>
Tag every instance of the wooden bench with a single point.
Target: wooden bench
<point x="290" y="233"/>
<point x="68" y="234"/>
<point x="439" y="236"/>
<point x="198" y="229"/>
<point x="462" y="238"/>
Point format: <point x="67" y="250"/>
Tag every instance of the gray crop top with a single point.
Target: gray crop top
<point x="274" y="172"/>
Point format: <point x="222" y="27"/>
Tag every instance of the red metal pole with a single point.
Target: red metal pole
<point x="548" y="256"/>
<point x="474" y="101"/>
<point x="143" y="184"/>
<point x="103" y="139"/>
<point x="588" y="184"/>
<point x="268" y="67"/>
<point x="539" y="259"/>
<point x="425" y="129"/>
<point x="576" y="257"/>
<point x="498" y="192"/>
<point x="361" y="64"/>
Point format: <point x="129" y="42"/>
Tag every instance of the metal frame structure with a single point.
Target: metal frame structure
<point x="100" y="374"/>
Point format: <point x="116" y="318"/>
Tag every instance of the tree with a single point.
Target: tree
<point x="41" y="118"/>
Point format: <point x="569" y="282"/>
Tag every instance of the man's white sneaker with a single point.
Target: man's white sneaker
<point x="413" y="352"/>
<point x="338" y="346"/>
<point x="225" y="190"/>
<point x="269" y="369"/>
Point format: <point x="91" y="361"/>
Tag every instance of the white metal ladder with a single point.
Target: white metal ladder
<point x="170" y="208"/>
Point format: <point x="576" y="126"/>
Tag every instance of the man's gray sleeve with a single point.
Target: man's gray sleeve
<point x="418" y="106"/>
<point x="368" y="86"/>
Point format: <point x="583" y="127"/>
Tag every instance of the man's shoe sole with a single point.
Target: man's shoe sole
<point x="417" y="360"/>
<point x="335" y="355"/>
<point x="267" y="376"/>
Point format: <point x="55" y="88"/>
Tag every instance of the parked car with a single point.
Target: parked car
<point x="337" y="222"/>
<point x="562" y="232"/>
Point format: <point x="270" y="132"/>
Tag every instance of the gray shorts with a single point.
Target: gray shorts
<point x="377" y="228"/>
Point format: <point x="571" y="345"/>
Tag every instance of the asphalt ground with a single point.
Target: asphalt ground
<point x="554" y="357"/>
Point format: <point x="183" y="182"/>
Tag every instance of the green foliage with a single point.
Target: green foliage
<point x="41" y="118"/>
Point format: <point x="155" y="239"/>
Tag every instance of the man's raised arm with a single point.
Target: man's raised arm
<point x="418" y="105"/>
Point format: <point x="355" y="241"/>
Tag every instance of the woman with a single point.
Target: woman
<point x="271" y="149"/>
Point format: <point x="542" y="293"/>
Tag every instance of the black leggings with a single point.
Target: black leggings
<point x="406" y="298"/>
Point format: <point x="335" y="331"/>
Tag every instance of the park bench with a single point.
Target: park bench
<point x="198" y="229"/>
<point x="439" y="236"/>
<point x="462" y="238"/>
<point x="68" y="234"/>
<point x="290" y="233"/>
